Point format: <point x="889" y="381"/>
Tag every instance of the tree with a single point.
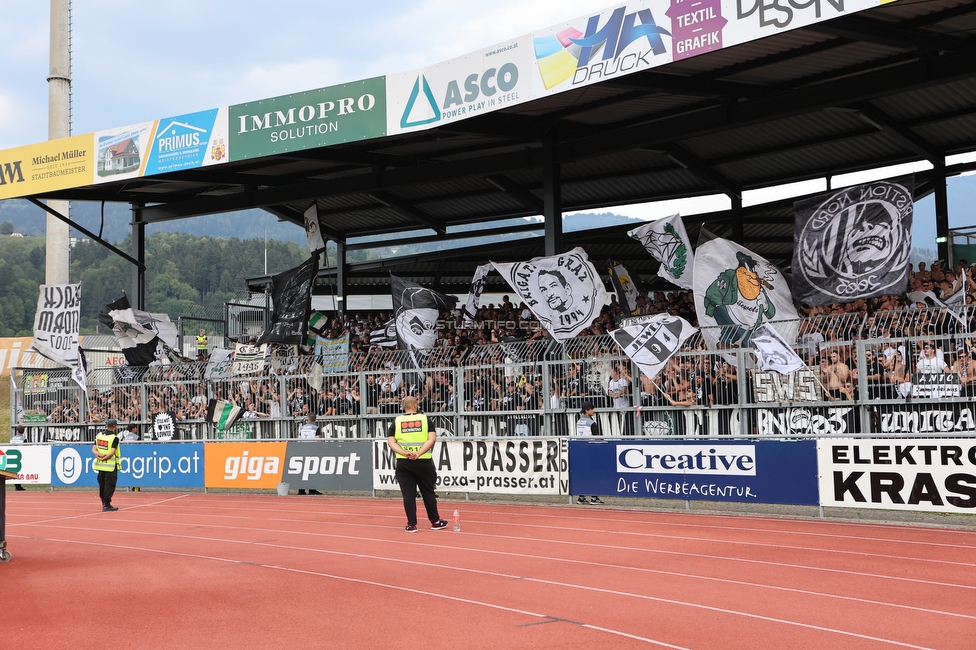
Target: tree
<point x="6" y="228"/>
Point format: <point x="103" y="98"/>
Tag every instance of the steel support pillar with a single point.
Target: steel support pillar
<point x="552" y="200"/>
<point x="942" y="215"/>
<point x="138" y="297"/>
<point x="737" y="233"/>
<point x="341" y="289"/>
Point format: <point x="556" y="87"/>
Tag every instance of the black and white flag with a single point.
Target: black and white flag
<point x="56" y="328"/>
<point x="291" y="297"/>
<point x="384" y="337"/>
<point x="313" y="229"/>
<point x="143" y="336"/>
<point x="248" y="358"/>
<point x="474" y="295"/>
<point x="223" y="414"/>
<point x="652" y="342"/>
<point x="415" y="312"/>
<point x="773" y="353"/>
<point x="853" y="243"/>
<point x="667" y="241"/>
<point x="564" y="291"/>
<point x="624" y="285"/>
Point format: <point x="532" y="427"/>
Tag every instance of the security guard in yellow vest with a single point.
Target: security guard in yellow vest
<point x="202" y="343"/>
<point x="108" y="456"/>
<point x="411" y="438"/>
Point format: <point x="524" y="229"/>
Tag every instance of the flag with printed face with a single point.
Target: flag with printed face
<point x="773" y="353"/>
<point x="624" y="285"/>
<point x="222" y="414"/>
<point x="564" y="291"/>
<point x="474" y="295"/>
<point x="291" y="296"/>
<point x="853" y="243"/>
<point x="653" y="341"/>
<point x="667" y="241"/>
<point x="313" y="229"/>
<point x="143" y="336"/>
<point x="736" y="291"/>
<point x="415" y="311"/>
<point x="57" y="326"/>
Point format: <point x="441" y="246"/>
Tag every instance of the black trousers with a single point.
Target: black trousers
<point x="106" y="486"/>
<point x="413" y="474"/>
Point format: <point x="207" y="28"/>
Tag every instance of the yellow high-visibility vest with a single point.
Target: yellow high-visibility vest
<point x="103" y="443"/>
<point x="411" y="433"/>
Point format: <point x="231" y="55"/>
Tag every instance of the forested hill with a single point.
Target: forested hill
<point x="185" y="275"/>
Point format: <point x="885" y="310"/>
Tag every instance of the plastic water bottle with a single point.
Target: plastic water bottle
<point x="457" y="521"/>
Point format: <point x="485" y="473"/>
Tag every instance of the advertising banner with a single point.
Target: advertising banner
<point x="520" y="466"/>
<point x="121" y="153"/>
<point x="751" y="471"/>
<point x="480" y="82"/>
<point x="47" y="166"/>
<point x="932" y="475"/>
<point x="316" y="118"/>
<point x="143" y="465"/>
<point x="244" y="464"/>
<point x="10" y="350"/>
<point x="31" y="463"/>
<point x="329" y="465"/>
<point x="188" y="141"/>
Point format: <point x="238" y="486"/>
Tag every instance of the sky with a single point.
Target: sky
<point x="139" y="60"/>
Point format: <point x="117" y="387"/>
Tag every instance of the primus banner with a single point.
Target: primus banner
<point x="536" y="466"/>
<point x="933" y="475"/>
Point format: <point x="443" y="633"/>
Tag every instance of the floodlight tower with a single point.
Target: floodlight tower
<point x="59" y="126"/>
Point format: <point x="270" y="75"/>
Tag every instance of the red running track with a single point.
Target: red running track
<point x="255" y="571"/>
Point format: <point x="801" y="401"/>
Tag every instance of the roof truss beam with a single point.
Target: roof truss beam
<point x="410" y="211"/>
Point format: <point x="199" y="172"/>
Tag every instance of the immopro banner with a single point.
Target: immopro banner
<point x="510" y="466"/>
<point x="143" y="464"/>
<point x="767" y="471"/>
<point x="929" y="474"/>
<point x="31" y="463"/>
<point x="316" y="118"/>
<point x="329" y="464"/>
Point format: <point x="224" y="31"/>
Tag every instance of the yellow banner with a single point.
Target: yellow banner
<point x="47" y="166"/>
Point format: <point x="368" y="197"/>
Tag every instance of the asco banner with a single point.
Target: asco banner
<point x="767" y="471"/>
<point x="143" y="464"/>
<point x="926" y="474"/>
<point x="536" y="466"/>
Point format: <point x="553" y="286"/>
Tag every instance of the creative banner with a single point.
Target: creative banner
<point x="121" y="153"/>
<point x="31" y="463"/>
<point x="329" y="465"/>
<point x="667" y="241"/>
<point x="57" y="325"/>
<point x="563" y="291"/>
<point x="654" y="341"/>
<point x="291" y="297"/>
<point x="931" y="475"/>
<point x="186" y="142"/>
<point x="853" y="243"/>
<point x="754" y="471"/>
<point x="316" y="118"/>
<point x="736" y="291"/>
<point x="142" y="464"/>
<point x="536" y="466"/>
<point x="47" y="166"/>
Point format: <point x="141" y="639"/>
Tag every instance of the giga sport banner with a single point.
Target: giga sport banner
<point x="512" y="466"/>
<point x="303" y="464"/>
<point x="929" y="474"/>
<point x="765" y="471"/>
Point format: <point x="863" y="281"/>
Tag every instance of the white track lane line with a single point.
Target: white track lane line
<point x="554" y="583"/>
<point x="528" y="556"/>
<point x="372" y="583"/>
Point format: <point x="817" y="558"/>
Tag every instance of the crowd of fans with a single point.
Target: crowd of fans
<point x="499" y="352"/>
